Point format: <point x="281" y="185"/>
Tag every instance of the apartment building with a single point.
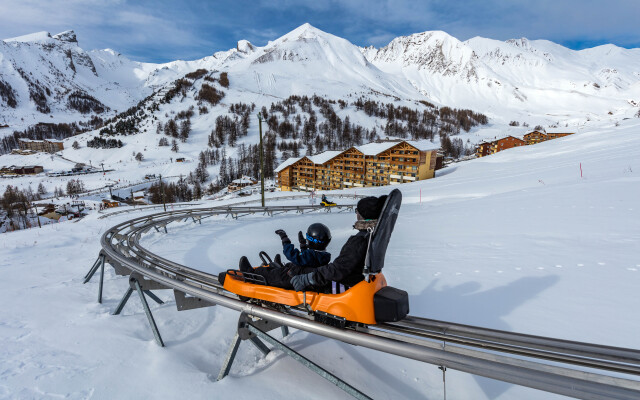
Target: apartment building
<point x="373" y="164"/>
<point x="46" y="145"/>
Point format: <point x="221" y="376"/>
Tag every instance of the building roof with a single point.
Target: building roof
<point x="324" y="156"/>
<point x="287" y="163"/>
<point x="372" y="149"/>
<point x="424" y="145"/>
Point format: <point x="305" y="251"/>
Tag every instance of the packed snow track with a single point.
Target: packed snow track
<point x="575" y="369"/>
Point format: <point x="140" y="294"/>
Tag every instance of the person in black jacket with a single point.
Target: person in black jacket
<point x="346" y="269"/>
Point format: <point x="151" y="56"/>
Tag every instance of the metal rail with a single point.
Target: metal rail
<point x="476" y="350"/>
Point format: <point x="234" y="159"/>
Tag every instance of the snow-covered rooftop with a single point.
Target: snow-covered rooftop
<point x="371" y="149"/>
<point x="324" y="156"/>
<point x="285" y="164"/>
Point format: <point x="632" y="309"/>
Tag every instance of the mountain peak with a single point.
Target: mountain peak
<point x="305" y="31"/>
<point x="66" y="36"/>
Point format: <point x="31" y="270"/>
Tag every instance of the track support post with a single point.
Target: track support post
<point x="145" y="305"/>
<point x="143" y="286"/>
<point x="255" y="330"/>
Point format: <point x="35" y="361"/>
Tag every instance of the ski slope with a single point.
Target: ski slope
<point x="517" y="241"/>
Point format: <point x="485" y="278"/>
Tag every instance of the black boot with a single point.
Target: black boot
<point x="244" y="265"/>
<point x="221" y="277"/>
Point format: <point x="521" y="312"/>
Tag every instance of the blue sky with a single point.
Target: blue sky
<point x="163" y="30"/>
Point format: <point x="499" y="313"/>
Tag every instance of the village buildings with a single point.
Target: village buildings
<point x="373" y="164"/>
<point x="21" y="170"/>
<point x="487" y="148"/>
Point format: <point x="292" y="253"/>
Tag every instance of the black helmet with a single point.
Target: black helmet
<point x="318" y="236"/>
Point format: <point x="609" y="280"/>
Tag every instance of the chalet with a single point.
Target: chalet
<point x="179" y="159"/>
<point x="535" y="137"/>
<point x="506" y="143"/>
<point x="240" y="183"/>
<point x="28" y="170"/>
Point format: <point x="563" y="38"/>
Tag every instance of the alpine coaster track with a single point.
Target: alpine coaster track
<point x="574" y="369"/>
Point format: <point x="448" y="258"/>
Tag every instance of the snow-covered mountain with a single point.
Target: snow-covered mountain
<point x="41" y="75"/>
<point x="532" y="77"/>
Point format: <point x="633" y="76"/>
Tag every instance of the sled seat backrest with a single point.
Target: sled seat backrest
<point x="374" y="261"/>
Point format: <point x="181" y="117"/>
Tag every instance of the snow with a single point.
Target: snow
<point x="324" y="156"/>
<point x="516" y="241"/>
<point x="32" y="37"/>
<point x="286" y="163"/>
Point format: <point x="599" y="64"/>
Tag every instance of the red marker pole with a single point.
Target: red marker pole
<point x="580" y="170"/>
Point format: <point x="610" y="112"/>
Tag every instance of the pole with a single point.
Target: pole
<point x="162" y="194"/>
<point x="580" y="170"/>
<point x="261" y="160"/>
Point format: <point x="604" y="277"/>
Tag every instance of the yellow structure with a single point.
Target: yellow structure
<point x="373" y="164"/>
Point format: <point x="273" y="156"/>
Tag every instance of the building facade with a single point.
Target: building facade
<point x="506" y="143"/>
<point x="46" y="145"/>
<point x="484" y="149"/>
<point x="535" y="137"/>
<point x="373" y="164"/>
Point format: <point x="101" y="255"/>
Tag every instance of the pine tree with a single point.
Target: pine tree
<point x="185" y="129"/>
<point x="174" y="146"/>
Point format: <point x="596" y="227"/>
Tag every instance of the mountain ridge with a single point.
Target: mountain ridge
<point x="505" y="79"/>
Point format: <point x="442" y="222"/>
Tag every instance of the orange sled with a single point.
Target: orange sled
<point x="357" y="304"/>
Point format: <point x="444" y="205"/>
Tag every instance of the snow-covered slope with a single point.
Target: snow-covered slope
<point x="517" y="241"/>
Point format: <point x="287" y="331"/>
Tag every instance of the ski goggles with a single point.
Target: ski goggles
<point x="314" y="240"/>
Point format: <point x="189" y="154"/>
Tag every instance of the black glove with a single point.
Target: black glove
<point x="303" y="241"/>
<point x="283" y="236"/>
<point x="300" y="282"/>
<point x="277" y="262"/>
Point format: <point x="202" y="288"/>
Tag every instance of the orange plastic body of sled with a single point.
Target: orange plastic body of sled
<point x="356" y="304"/>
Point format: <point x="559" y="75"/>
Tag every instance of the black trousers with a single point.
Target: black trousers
<point x="281" y="277"/>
